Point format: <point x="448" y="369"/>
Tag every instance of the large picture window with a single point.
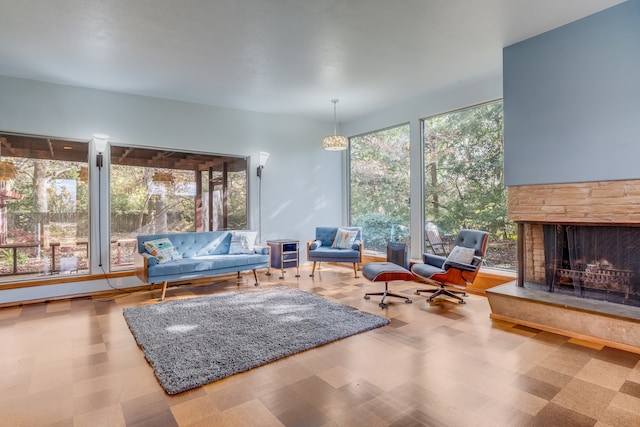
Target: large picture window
<point x="464" y="186"/>
<point x="380" y="187"/>
<point x="167" y="191"/>
<point x="43" y="207"/>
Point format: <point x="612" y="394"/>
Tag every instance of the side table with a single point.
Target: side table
<point x="285" y="254"/>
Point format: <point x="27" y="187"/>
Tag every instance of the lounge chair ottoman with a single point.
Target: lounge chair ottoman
<point x="386" y="272"/>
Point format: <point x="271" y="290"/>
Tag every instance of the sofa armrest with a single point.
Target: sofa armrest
<point x="151" y="260"/>
<point x="262" y="249"/>
<point x="358" y="246"/>
<point x="140" y="263"/>
<point x="309" y="248"/>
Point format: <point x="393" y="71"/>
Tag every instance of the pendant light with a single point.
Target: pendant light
<point x="335" y="142"/>
<point x="164" y="178"/>
<point x="7" y="168"/>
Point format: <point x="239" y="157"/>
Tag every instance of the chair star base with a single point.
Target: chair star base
<point x="441" y="290"/>
<point x="385" y="294"/>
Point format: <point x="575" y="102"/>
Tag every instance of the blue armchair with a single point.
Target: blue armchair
<point x="346" y="248"/>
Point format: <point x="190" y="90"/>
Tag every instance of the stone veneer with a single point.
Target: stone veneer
<point x="608" y="203"/>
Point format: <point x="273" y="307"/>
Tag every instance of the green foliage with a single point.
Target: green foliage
<point x="140" y="205"/>
<point x="380" y="185"/>
<point x="6" y="257"/>
<point x="464" y="182"/>
<point x="128" y="188"/>
<point x="464" y="185"/>
<point x="237" y="200"/>
<point x="379" y="229"/>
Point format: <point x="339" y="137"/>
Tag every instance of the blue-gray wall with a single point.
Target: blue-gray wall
<point x="572" y="101"/>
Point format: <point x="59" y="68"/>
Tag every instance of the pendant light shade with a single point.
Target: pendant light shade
<point x="7" y="168"/>
<point x="335" y="142"/>
<point x="165" y="178"/>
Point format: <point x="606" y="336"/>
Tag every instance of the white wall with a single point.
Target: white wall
<point x="303" y="186"/>
<point x="301" y="183"/>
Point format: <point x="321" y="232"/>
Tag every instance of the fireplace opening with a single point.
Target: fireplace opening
<point x="587" y="261"/>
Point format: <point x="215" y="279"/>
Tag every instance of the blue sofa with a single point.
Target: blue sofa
<point x="321" y="248"/>
<point x="202" y="254"/>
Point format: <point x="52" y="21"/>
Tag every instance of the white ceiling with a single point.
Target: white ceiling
<point x="277" y="56"/>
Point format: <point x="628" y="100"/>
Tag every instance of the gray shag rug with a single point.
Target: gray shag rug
<point x="196" y="341"/>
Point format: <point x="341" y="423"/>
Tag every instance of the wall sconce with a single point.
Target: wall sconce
<point x="264" y="156"/>
<point x="100" y="141"/>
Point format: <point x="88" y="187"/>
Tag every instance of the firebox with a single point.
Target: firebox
<point x="589" y="261"/>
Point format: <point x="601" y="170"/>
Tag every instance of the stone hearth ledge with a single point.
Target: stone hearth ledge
<point x="613" y="325"/>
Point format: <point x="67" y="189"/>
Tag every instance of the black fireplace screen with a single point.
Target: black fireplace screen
<point x="599" y="262"/>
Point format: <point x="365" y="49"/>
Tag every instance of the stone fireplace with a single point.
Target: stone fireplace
<point x="578" y="261"/>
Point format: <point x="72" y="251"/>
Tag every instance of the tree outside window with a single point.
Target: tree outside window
<point x="44" y="214"/>
<point x="464" y="186"/>
<point x="380" y="187"/>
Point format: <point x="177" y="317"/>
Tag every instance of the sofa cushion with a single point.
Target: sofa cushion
<point x="425" y="270"/>
<point x="206" y="263"/>
<point x="326" y="253"/>
<point x="315" y="245"/>
<point x="202" y="243"/>
<point x="193" y="243"/>
<point x="162" y="249"/>
<point x="344" y="238"/>
<point x="326" y="235"/>
<point x="242" y="242"/>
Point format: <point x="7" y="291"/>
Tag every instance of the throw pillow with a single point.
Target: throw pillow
<point x="243" y="242"/>
<point x="461" y="255"/>
<point x="315" y="245"/>
<point x="344" y="238"/>
<point x="162" y="249"/>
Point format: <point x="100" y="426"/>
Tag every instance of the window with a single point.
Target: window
<point x="44" y="219"/>
<point x="380" y="187"/>
<point x="166" y="191"/>
<point x="464" y="187"/>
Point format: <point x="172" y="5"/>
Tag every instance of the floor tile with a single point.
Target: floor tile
<point x="75" y="363"/>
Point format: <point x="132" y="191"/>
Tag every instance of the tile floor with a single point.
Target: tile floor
<point x="75" y="363"/>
